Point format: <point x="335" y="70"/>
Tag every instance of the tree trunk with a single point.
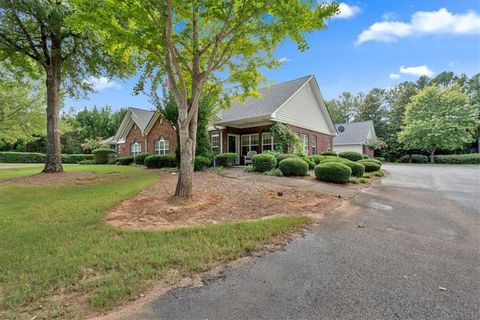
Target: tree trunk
<point x="432" y="153"/>
<point x="53" y="162"/>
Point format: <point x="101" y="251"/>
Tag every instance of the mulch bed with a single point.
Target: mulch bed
<point x="216" y="199"/>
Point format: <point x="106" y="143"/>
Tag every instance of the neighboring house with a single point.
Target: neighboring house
<point x="353" y="136"/>
<point x="243" y="127"/>
<point x="144" y="131"/>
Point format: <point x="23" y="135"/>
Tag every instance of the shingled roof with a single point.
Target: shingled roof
<point x="353" y="132"/>
<point x="141" y="117"/>
<point x="271" y="98"/>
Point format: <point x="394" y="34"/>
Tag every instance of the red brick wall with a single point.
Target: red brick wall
<point x="161" y="128"/>
<point x="366" y="150"/>
<point x="134" y="135"/>
<point x="324" y="141"/>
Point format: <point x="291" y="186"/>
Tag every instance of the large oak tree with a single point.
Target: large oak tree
<point x="201" y="45"/>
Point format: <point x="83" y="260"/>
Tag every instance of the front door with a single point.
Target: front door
<point x="234" y="145"/>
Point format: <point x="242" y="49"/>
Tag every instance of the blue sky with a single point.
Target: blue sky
<point x="371" y="44"/>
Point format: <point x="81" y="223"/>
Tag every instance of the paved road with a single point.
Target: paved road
<point x="385" y="256"/>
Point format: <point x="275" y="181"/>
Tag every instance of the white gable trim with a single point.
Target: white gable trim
<point x="290" y="98"/>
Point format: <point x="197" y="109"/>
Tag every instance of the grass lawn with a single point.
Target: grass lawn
<point x="59" y="258"/>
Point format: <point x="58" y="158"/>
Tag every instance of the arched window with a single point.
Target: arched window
<point x="135" y="148"/>
<point x="162" y="146"/>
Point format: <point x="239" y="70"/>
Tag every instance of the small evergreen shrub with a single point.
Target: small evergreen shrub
<point x="76" y="158"/>
<point x="357" y="168"/>
<point x="318" y="158"/>
<point x="370" y="166"/>
<point x="293" y="167"/>
<point x="373" y="160"/>
<point x="283" y="156"/>
<point x="418" y="158"/>
<point x="472" y="158"/>
<point x="329" y="153"/>
<point x="351" y="155"/>
<point x="125" y="161"/>
<point x="264" y="162"/>
<point x="201" y="162"/>
<point x="311" y="163"/>
<point x="226" y="160"/>
<point x="334" y="159"/>
<point x="336" y="172"/>
<point x="365" y="156"/>
<point x="381" y="159"/>
<point x="87" y="162"/>
<point x="21" y="157"/>
<point x="103" y="155"/>
<point x="139" y="159"/>
<point x="274" y="173"/>
<point x="160" y="161"/>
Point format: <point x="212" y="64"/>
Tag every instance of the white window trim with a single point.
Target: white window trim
<point x="304" y="137"/>
<point x="133" y="149"/>
<point x="272" y="144"/>
<point x="219" y="147"/>
<point x="314" y="147"/>
<point x="250" y="145"/>
<point x="161" y="147"/>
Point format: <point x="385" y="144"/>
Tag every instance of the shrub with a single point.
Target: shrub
<point x="365" y="156"/>
<point x="283" y="156"/>
<point x="370" y="166"/>
<point x="161" y="161"/>
<point x="414" y="158"/>
<point x="333" y="172"/>
<point x="472" y="158"/>
<point x="201" y="162"/>
<point x="351" y="155"/>
<point x="318" y="158"/>
<point x="125" y="161"/>
<point x="357" y="168"/>
<point x="76" y="158"/>
<point x="140" y="158"/>
<point x="103" y="155"/>
<point x="334" y="159"/>
<point x="226" y="159"/>
<point x="21" y="157"/>
<point x="311" y="163"/>
<point x="381" y="159"/>
<point x="329" y="153"/>
<point x="293" y="167"/>
<point x="86" y="162"/>
<point x="373" y="160"/>
<point x="264" y="162"/>
<point x="274" y="173"/>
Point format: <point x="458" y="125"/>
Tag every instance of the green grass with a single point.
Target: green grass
<point x="59" y="258"/>
<point x="357" y="180"/>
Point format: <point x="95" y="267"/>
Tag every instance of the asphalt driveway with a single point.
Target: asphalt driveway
<point x="407" y="248"/>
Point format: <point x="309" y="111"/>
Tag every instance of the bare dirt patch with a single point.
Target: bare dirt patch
<point x="55" y="178"/>
<point x="216" y="199"/>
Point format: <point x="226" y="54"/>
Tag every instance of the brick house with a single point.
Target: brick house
<point x="244" y="126"/>
<point x="353" y="136"/>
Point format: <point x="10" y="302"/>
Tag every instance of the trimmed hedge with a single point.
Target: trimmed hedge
<point x="336" y="172"/>
<point x="227" y="159"/>
<point x="103" y="155"/>
<point x="201" y="162"/>
<point x="125" y="161"/>
<point x="381" y="159"/>
<point x="293" y="167"/>
<point x="472" y="158"/>
<point x="309" y="160"/>
<point x="351" y="155"/>
<point x="87" y="162"/>
<point x="161" y="161"/>
<point x="140" y="158"/>
<point x="284" y="156"/>
<point x="329" y="153"/>
<point x="365" y="156"/>
<point x="334" y="159"/>
<point x="414" y="158"/>
<point x="264" y="162"/>
<point x="370" y="166"/>
<point x="318" y="158"/>
<point x="373" y="160"/>
<point x="21" y="157"/>
<point x="76" y="158"/>
<point x="357" y="168"/>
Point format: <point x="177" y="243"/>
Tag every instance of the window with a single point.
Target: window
<point x="135" y="148"/>
<point x="215" y="142"/>
<point x="250" y="142"/>
<point x="305" y="142"/>
<point x="314" y="144"/>
<point x="267" y="141"/>
<point x="162" y="146"/>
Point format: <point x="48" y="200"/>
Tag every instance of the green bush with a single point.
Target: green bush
<point x="373" y="160"/>
<point x="381" y="159"/>
<point x="472" y="158"/>
<point x="357" y="168"/>
<point x="140" y="158"/>
<point x="125" y="161"/>
<point x="87" y="162"/>
<point x="21" y="157"/>
<point x="264" y="162"/>
<point x="274" y="173"/>
<point x="160" y="161"/>
<point x="293" y="167"/>
<point x="318" y="158"/>
<point x="103" y="155"/>
<point x="414" y="158"/>
<point x="283" y="156"/>
<point x="336" y="172"/>
<point x="365" y="156"/>
<point x="370" y="166"/>
<point x="351" y="155"/>
<point x="329" y="153"/>
<point x="226" y="160"/>
<point x="76" y="158"/>
<point x="309" y="160"/>
<point x="201" y="162"/>
<point x="334" y="159"/>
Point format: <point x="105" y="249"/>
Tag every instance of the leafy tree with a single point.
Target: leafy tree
<point x="439" y="119"/>
<point x="36" y="35"/>
<point x="97" y="123"/>
<point x="203" y="45"/>
<point x="22" y="113"/>
<point x="344" y="108"/>
<point x="374" y="107"/>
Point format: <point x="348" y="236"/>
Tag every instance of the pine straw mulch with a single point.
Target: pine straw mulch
<point x="216" y="199"/>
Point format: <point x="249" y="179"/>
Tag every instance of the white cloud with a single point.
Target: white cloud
<point x="421" y="23"/>
<point x="102" y="83"/>
<point x="346" y="11"/>
<point x="418" y="71"/>
<point x="394" y="76"/>
<point x="284" y="60"/>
